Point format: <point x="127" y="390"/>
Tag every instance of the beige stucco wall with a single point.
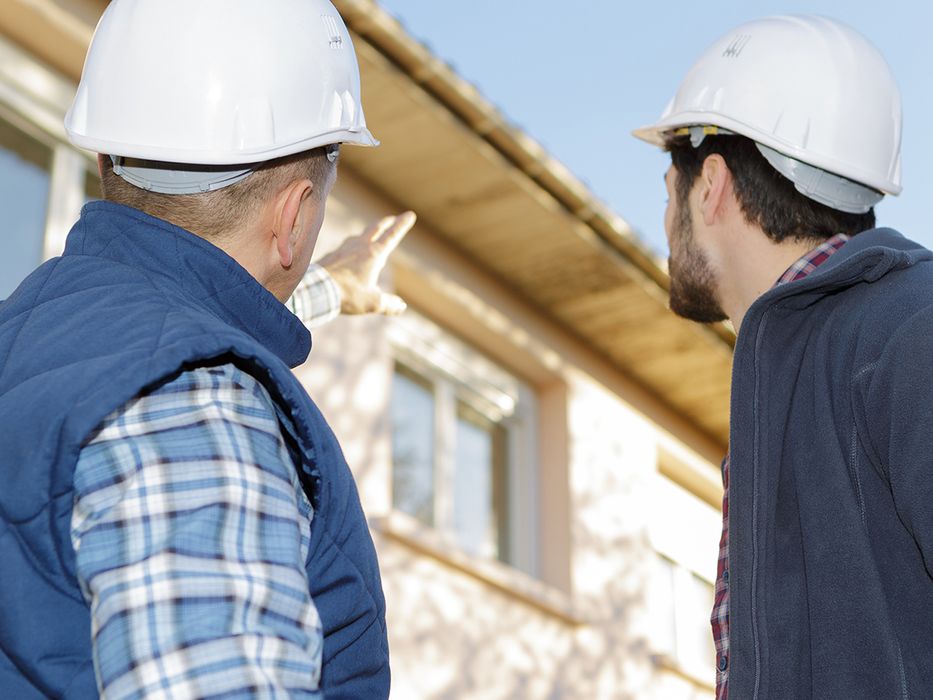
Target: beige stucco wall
<point x="454" y="631"/>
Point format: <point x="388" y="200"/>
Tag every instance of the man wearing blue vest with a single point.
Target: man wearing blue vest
<point x="783" y="137"/>
<point x="176" y="517"/>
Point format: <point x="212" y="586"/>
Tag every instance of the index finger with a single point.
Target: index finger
<point x="389" y="238"/>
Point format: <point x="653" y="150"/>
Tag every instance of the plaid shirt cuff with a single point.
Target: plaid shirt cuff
<point x="317" y="298"/>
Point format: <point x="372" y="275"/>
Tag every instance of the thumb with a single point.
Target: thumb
<point x="391" y="305"/>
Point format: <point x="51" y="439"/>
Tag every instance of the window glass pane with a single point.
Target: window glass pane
<point x="24" y="192"/>
<point x="413" y="445"/>
<point x="473" y="521"/>
<point x="680" y="604"/>
<point x="697" y="641"/>
<point x="662" y="603"/>
<point x="479" y="485"/>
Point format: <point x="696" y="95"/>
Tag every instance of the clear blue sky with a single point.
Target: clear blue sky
<point x="578" y="77"/>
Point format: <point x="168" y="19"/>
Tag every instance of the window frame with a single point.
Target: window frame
<point x="684" y="483"/>
<point x="682" y="614"/>
<point x="460" y="371"/>
<point x="34" y="100"/>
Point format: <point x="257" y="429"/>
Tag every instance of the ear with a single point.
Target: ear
<point x="100" y="164"/>
<point x="290" y="219"/>
<point x="715" y="188"/>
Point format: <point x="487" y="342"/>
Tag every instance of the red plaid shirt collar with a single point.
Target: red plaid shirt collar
<point x="720" y="617"/>
<point x="812" y="260"/>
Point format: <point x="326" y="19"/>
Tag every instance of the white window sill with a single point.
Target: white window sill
<point x="705" y="679"/>
<point x="517" y="584"/>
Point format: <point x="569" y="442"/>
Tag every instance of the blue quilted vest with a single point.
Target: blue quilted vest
<point x="133" y="301"/>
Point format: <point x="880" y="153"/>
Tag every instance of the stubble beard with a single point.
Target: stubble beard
<point x="693" y="281"/>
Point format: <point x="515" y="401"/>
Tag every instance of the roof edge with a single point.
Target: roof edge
<point x="386" y="34"/>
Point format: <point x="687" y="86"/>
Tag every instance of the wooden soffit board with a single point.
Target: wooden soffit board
<point x="56" y="31"/>
<point x="464" y="174"/>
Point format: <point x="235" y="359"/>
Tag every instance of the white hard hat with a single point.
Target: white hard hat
<point x="815" y="95"/>
<point x="217" y="83"/>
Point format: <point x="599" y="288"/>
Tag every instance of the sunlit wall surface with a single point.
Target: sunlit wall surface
<point x="539" y="535"/>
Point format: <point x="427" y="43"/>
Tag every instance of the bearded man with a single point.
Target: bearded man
<point x="783" y="137"/>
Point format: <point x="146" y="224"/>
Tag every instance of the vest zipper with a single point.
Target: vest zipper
<point x="755" y="468"/>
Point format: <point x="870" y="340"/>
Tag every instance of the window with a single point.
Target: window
<point x="44" y="180"/>
<point x="684" y="527"/>
<point x="681" y="607"/>
<point x="462" y="444"/>
<point x="481" y="514"/>
<point x="413" y="444"/>
<point x="25" y="165"/>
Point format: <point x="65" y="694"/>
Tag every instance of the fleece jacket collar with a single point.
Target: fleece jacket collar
<point x="866" y="257"/>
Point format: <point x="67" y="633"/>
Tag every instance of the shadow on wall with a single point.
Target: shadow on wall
<point x="452" y="635"/>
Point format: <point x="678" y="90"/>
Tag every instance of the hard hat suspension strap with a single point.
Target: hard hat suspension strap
<point x="178" y="178"/>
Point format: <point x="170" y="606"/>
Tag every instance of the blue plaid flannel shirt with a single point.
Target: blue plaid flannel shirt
<point x="191" y="532"/>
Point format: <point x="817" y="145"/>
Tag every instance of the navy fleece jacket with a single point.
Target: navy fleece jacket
<point x="831" y="488"/>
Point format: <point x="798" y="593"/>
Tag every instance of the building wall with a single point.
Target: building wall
<point x="620" y="493"/>
<point x="462" y="627"/>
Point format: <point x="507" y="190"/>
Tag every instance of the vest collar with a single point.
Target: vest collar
<point x="173" y="257"/>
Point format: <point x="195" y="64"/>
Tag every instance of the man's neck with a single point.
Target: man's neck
<point x="754" y="270"/>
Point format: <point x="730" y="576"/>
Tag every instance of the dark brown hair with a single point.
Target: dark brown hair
<point x="767" y="198"/>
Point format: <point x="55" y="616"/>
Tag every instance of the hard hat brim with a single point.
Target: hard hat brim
<point x="654" y="134"/>
<point x="361" y="137"/>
